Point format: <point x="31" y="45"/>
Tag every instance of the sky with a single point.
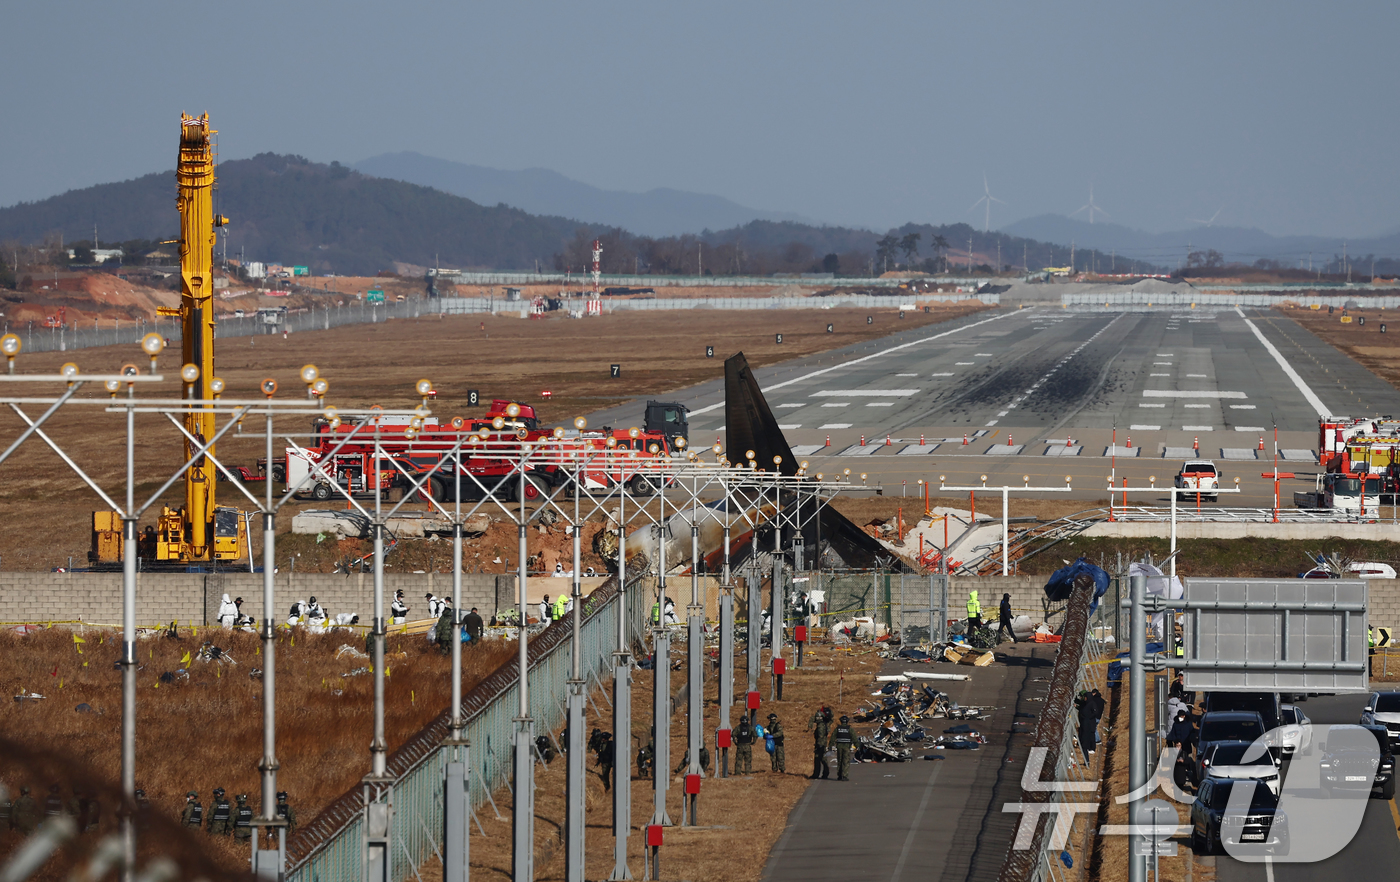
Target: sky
<point x="1279" y="115"/>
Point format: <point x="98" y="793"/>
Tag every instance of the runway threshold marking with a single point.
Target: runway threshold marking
<point x="846" y="364"/>
<point x="1312" y="399"/>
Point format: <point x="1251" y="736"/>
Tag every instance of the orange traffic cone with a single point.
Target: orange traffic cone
<point x="1261" y="442"/>
<point x="964" y="439"/>
<point x="828" y="439"/>
<point x="887" y="439"/>
<point x="921" y="440"/>
<point x="862" y="440"/>
<point x="1196" y="444"/>
<point x="1130" y="442"/>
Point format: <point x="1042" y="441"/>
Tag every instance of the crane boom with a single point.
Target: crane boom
<point x="195" y="176"/>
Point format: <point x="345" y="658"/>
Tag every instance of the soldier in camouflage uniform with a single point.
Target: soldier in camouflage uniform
<point x="779" y="756"/>
<point x="820" y="727"/>
<point x="743" y="747"/>
<point x="193" y="813"/>
<point x="845" y="740"/>
<point x="221" y="815"/>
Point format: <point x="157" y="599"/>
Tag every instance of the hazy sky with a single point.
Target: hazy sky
<point x="1281" y="113"/>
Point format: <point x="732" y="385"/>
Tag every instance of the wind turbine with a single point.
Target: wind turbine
<point x="987" y="200"/>
<point x="1211" y="222"/>
<point x="1090" y="205"/>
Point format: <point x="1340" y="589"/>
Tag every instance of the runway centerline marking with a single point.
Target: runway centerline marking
<point x="1171" y="393"/>
<point x="865" y="358"/>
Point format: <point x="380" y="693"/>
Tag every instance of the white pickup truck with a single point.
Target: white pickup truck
<point x="1200" y="475"/>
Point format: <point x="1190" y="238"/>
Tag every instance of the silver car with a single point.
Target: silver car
<point x="1239" y="760"/>
<point x="1295" y="732"/>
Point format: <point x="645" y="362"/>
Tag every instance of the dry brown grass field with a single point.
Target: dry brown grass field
<point x="206" y="731"/>
<point x="1378" y="352"/>
<point x="378" y="364"/>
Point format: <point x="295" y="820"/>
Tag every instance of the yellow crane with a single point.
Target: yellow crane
<point x="201" y="531"/>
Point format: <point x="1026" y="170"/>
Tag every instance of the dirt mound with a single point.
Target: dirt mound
<point x="85" y="297"/>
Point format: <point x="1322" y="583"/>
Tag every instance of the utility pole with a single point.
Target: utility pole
<point x="969" y="253"/>
<point x="1071" y="257"/>
<point x="1024" y="249"/>
<point x="1113" y="261"/>
<point x="998" y="255"/>
<point x="1345" y="264"/>
<point x="700" y="258"/>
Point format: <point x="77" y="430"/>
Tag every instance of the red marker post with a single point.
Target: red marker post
<point x="800" y="635"/>
<point x="653" y="850"/>
<point x="692" y="794"/>
<point x="779" y="668"/>
<point x="723" y="739"/>
<point x="751" y="703"/>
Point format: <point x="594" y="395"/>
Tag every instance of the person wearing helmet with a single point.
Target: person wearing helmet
<point x="221" y="815"/>
<point x="820" y="727"/>
<point x="24" y="814"/>
<point x="243" y="819"/>
<point x="778" y="756"/>
<point x="845" y="740"/>
<point x="285" y="811"/>
<point x="743" y="746"/>
<point x="193" y="813"/>
<point x="398" y="609"/>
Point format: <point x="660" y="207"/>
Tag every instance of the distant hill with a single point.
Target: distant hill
<point x="659" y="212"/>
<point x="334" y="219"/>
<point x="1235" y="244"/>
<point x="286" y="209"/>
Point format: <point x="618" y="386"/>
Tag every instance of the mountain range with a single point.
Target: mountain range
<point x="659" y="212"/>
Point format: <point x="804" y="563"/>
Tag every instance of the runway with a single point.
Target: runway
<point x="1043" y="393"/>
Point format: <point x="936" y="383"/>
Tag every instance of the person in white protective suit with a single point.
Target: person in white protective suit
<point x="295" y="614"/>
<point x="669" y="616"/>
<point x="228" y="612"/>
<point x="398" y="610"/>
<point x="316" y="617"/>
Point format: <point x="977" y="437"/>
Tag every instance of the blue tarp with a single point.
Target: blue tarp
<point x="1061" y="583"/>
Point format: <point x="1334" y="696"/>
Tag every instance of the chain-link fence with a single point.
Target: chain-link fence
<point x="1056" y="752"/>
<point x="331" y="848"/>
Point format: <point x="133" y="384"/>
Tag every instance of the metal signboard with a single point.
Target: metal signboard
<point x="374" y="295"/>
<point x="1275" y="635"/>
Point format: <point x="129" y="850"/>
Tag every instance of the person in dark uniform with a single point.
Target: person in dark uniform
<point x="704" y="760"/>
<point x="285" y="811"/>
<point x="646" y="757"/>
<point x="474" y="625"/>
<point x="743" y="747"/>
<point x="820" y="727"/>
<point x="220" y="815"/>
<point x="193" y="813"/>
<point x="845" y="740"/>
<point x="779" y="756"/>
<point x="243" y="819"/>
<point x="603" y="749"/>
<point x="1088" y="734"/>
<point x="1005" y="625"/>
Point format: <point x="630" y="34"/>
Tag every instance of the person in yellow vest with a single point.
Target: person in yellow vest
<point x="656" y="613"/>
<point x="1370" y="651"/>
<point x="974" y="611"/>
<point x="561" y="603"/>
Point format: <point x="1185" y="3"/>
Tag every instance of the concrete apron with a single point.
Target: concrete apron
<point x="1381" y="532"/>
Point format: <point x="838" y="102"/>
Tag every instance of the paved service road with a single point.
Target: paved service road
<point x="939" y="820"/>
<point x="1045" y="392"/>
<point x="1374" y="853"/>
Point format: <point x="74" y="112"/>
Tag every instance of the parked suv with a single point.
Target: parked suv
<point x="1199" y="474"/>
<point x="1260" y="827"/>
<point x="1384" y="710"/>
<point x="1349" y="764"/>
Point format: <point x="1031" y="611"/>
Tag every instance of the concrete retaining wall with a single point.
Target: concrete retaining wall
<point x="163" y="597"/>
